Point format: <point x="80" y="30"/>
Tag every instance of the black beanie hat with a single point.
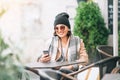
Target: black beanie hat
<point x="62" y="18"/>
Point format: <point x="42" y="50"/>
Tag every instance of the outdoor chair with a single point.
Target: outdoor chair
<point x="104" y="51"/>
<point x="102" y="64"/>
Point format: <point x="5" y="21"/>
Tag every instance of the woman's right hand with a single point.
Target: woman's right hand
<point x="45" y="58"/>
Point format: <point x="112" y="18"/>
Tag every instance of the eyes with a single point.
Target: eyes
<point x="62" y="28"/>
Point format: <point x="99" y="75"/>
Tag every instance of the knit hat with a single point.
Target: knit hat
<point x="62" y="18"/>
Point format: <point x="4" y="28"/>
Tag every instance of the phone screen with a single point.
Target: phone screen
<point x="46" y="52"/>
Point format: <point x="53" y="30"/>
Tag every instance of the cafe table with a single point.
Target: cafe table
<point x="40" y="65"/>
<point x="34" y="67"/>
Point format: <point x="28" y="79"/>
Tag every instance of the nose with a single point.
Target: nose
<point x="59" y="30"/>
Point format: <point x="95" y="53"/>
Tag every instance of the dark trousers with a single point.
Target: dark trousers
<point x="67" y="71"/>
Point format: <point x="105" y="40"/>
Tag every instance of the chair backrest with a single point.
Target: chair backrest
<point x="104" y="51"/>
<point x="104" y="65"/>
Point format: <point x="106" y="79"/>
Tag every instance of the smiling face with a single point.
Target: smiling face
<point x="61" y="30"/>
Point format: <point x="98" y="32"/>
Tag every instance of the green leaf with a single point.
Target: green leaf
<point x="90" y="26"/>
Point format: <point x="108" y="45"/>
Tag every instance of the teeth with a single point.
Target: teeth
<point x="61" y="33"/>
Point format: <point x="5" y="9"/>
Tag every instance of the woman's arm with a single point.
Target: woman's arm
<point x="82" y="52"/>
<point x="83" y="56"/>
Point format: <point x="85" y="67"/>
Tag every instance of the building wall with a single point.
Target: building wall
<point x="27" y="25"/>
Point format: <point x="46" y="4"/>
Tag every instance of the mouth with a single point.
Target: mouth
<point x="61" y="33"/>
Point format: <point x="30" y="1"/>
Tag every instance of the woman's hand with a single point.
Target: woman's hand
<point x="45" y="58"/>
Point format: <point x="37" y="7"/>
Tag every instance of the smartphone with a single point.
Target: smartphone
<point x="46" y="52"/>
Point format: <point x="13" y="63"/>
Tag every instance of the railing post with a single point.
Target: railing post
<point x="115" y="27"/>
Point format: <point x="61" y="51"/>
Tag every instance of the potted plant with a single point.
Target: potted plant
<point x="10" y="69"/>
<point x="10" y="65"/>
<point x="90" y="26"/>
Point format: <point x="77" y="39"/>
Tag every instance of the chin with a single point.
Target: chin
<point x="62" y="36"/>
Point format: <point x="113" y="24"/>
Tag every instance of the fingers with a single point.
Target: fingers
<point x="45" y="58"/>
<point x="45" y="55"/>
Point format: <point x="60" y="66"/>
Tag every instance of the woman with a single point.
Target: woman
<point x="64" y="46"/>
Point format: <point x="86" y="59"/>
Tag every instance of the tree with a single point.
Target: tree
<point x="90" y="26"/>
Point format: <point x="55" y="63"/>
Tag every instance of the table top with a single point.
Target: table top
<point x="39" y="65"/>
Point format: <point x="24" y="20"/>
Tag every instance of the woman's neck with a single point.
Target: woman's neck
<point x="64" y="41"/>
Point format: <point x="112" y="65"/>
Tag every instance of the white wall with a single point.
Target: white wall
<point x="28" y="24"/>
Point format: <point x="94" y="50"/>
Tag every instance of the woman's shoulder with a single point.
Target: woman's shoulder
<point x="75" y="37"/>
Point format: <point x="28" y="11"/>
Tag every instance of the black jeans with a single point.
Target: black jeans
<point x="46" y="74"/>
<point x="67" y="71"/>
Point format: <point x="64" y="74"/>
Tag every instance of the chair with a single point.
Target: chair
<point x="105" y="51"/>
<point x="104" y="66"/>
<point x="116" y="70"/>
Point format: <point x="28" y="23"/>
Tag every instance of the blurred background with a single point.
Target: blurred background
<point x="25" y="25"/>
